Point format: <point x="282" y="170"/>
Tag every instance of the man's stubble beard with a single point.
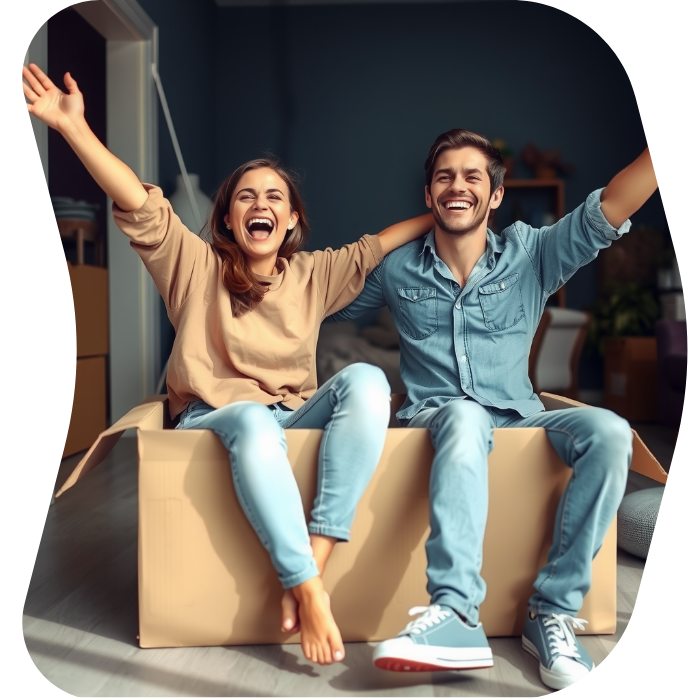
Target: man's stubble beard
<point x="471" y="228"/>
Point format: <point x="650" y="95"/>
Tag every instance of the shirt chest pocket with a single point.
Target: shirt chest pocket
<point x="418" y="311"/>
<point x="501" y="303"/>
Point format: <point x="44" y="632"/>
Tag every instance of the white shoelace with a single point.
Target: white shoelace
<point x="429" y="616"/>
<point x="560" y="634"/>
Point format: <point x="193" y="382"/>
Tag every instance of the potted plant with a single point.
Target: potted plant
<point x="626" y="309"/>
<point x="622" y="330"/>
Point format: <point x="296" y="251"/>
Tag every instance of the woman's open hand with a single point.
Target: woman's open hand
<point x="66" y="113"/>
<point x="54" y="107"/>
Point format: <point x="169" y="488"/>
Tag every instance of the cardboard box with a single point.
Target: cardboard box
<point x="89" y="416"/>
<point x="90" y="299"/>
<point x="205" y="579"/>
<point x="631" y="378"/>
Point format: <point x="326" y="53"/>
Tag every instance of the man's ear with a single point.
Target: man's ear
<point x="428" y="198"/>
<point x="496" y="198"/>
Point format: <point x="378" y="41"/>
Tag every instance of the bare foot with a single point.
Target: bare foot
<point x="290" y="612"/>
<point x="320" y="636"/>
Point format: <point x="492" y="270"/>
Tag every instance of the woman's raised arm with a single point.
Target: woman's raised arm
<point x="404" y="232"/>
<point x="66" y="113"/>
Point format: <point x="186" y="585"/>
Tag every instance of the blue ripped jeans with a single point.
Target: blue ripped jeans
<point x="594" y="442"/>
<point x="352" y="408"/>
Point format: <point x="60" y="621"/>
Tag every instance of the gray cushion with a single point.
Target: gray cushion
<point x="636" y="519"/>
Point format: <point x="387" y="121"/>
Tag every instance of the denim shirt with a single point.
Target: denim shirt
<point x="475" y="341"/>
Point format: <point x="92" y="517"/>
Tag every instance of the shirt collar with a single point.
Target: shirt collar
<point x="494" y="244"/>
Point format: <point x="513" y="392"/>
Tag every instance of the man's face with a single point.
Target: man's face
<point x="460" y="192"/>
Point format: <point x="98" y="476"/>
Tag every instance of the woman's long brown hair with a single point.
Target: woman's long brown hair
<point x="245" y="289"/>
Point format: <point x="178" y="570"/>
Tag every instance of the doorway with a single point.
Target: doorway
<point x="130" y="39"/>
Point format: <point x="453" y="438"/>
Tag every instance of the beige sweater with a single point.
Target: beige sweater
<point x="267" y="355"/>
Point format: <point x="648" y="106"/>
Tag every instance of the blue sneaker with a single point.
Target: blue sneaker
<point x="437" y="641"/>
<point x="551" y="639"/>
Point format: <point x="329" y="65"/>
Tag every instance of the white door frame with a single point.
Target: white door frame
<point x="38" y="53"/>
<point x="132" y="135"/>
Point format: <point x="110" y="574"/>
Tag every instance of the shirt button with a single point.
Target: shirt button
<point x="458" y="305"/>
<point x="415" y="298"/>
<point x="464" y="358"/>
<point x="503" y="286"/>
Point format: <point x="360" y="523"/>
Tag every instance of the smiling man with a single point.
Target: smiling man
<point x="467" y="303"/>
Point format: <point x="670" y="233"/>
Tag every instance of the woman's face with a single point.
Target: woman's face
<point x="260" y="214"/>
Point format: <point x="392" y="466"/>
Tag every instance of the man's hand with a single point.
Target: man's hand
<point x="628" y="190"/>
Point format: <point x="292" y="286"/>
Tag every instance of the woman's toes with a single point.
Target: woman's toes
<point x="290" y="612"/>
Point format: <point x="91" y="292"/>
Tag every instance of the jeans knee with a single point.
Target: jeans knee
<point x="249" y="415"/>
<point x="464" y="430"/>
<point x="462" y="417"/>
<point x="363" y="379"/>
<point x="365" y="390"/>
<point x="612" y="432"/>
<point x="612" y="436"/>
<point x="250" y="426"/>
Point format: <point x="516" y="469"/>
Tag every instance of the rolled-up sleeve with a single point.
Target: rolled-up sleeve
<point x="340" y="274"/>
<point x="598" y="221"/>
<point x="176" y="258"/>
<point x="558" y="251"/>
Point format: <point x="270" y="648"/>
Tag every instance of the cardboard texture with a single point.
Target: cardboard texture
<point x="630" y="384"/>
<point x="89" y="415"/>
<point x="205" y="579"/>
<point x="90" y="300"/>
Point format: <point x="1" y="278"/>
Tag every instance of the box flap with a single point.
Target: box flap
<point x="553" y="402"/>
<point x="643" y="461"/>
<point x="147" y="415"/>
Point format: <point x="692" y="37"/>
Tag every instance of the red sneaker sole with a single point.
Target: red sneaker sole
<point x="408" y="666"/>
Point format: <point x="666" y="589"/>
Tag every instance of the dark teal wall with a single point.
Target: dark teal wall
<point x="352" y="97"/>
<point x="187" y="67"/>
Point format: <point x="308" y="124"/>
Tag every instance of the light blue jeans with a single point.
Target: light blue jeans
<point x="352" y="408"/>
<point x="594" y="442"/>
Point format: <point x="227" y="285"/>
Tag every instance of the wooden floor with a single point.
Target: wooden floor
<point x="80" y="617"/>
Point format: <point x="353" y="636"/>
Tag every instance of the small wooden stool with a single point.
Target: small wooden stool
<point x="81" y="230"/>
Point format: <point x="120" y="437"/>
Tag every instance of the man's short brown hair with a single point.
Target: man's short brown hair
<point x="460" y="138"/>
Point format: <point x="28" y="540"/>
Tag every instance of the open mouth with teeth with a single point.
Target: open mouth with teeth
<point x="457" y="205"/>
<point x="260" y="229"/>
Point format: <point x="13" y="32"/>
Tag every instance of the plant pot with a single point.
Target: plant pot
<point x="544" y="172"/>
<point x="631" y="377"/>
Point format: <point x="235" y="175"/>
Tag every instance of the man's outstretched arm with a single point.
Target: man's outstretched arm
<point x="628" y="190"/>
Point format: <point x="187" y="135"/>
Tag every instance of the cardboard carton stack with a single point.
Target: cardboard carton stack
<point x="89" y="416"/>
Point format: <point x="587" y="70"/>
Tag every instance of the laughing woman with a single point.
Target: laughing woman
<point x="246" y="310"/>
